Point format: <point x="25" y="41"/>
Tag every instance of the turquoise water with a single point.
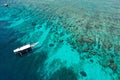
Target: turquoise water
<point x="78" y="40"/>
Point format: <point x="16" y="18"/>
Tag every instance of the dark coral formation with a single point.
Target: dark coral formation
<point x="64" y="74"/>
<point x="112" y="64"/>
<point x="34" y="23"/>
<point x="83" y="73"/>
<point x="91" y="61"/>
<point x="51" y="45"/>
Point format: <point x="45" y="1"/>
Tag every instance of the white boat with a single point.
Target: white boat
<point x="24" y="49"/>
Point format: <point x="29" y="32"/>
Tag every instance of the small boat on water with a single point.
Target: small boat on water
<point x="5" y="5"/>
<point x="24" y="49"/>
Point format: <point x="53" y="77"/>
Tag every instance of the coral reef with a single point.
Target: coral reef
<point x="82" y="36"/>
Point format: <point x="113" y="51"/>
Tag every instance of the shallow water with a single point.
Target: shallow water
<point x="78" y="40"/>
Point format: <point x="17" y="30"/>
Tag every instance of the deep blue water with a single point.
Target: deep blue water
<point x="78" y="40"/>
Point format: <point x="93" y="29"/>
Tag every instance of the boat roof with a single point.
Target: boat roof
<point x="22" y="48"/>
